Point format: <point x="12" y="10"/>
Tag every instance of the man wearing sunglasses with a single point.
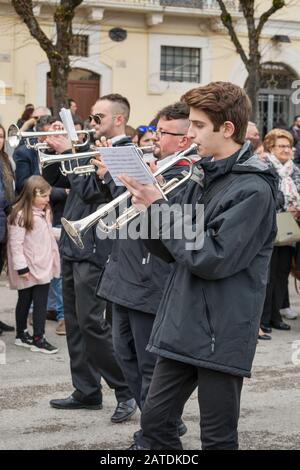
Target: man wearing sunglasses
<point x="88" y="332"/>
<point x="109" y="117"/>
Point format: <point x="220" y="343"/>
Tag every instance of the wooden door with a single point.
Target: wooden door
<point x="84" y="92"/>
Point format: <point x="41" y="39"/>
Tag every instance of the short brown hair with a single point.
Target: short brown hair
<point x="179" y="110"/>
<point x="119" y="100"/>
<point x="272" y="136"/>
<point x="222" y="101"/>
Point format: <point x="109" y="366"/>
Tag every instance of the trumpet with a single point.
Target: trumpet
<point x="64" y="159"/>
<point x="78" y="228"/>
<point x="14" y="136"/>
<point x="46" y="159"/>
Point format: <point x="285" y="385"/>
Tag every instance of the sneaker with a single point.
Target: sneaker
<point x="288" y="313"/>
<point x="42" y="345"/>
<point x="24" y="339"/>
<point x="61" y="328"/>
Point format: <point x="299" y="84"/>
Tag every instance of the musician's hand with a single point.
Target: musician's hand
<point x="103" y="142"/>
<point x="28" y="124"/>
<point x="100" y="167"/>
<point x="143" y="195"/>
<point x="59" y="143"/>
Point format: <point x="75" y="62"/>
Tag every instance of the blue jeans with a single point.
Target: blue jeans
<point x="55" y="298"/>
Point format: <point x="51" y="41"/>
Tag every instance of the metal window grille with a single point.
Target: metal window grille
<point x="180" y="64"/>
<point x="80" y="45"/>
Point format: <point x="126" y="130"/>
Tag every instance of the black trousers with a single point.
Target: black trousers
<point x="131" y="333"/>
<point x="219" y="402"/>
<point x="89" y="335"/>
<point x="280" y="267"/>
<point x="37" y="295"/>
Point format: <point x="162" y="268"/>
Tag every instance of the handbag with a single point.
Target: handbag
<point x="288" y="230"/>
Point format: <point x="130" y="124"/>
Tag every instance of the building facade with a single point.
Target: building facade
<point x="151" y="51"/>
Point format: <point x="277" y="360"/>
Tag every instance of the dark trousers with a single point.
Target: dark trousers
<point x="131" y="333"/>
<point x="280" y="267"/>
<point x="37" y="295"/>
<point x="219" y="402"/>
<point x="89" y="335"/>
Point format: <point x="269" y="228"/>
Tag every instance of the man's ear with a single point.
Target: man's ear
<point x="228" y="129"/>
<point x="119" y="120"/>
<point x="183" y="141"/>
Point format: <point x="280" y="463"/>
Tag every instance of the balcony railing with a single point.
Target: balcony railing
<point x="232" y="5"/>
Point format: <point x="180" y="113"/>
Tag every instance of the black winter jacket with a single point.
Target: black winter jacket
<point x="210" y="311"/>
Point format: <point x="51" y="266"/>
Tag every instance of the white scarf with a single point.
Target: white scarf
<point x="286" y="185"/>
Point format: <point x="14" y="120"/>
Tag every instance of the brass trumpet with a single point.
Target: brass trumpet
<point x="64" y="159"/>
<point x="14" y="136"/>
<point x="78" y="228"/>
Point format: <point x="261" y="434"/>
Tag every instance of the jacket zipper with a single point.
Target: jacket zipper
<point x="211" y="329"/>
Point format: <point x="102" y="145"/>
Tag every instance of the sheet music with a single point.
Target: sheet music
<point x="67" y="120"/>
<point x="126" y="161"/>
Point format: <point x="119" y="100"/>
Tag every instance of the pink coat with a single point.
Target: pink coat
<point x="36" y="249"/>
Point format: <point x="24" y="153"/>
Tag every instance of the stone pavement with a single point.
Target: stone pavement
<point x="270" y="409"/>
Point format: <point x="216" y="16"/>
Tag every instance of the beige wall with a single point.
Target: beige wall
<point x="127" y="65"/>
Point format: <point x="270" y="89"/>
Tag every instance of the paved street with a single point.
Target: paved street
<point x="270" y="413"/>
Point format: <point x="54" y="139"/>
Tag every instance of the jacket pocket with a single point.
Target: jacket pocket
<point x="209" y="323"/>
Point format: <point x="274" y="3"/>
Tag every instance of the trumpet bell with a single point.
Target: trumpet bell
<point x="73" y="230"/>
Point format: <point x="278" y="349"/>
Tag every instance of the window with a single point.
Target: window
<point x="180" y="64"/>
<point x="80" y="45"/>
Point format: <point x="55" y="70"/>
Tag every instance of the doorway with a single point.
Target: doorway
<point x="276" y="108"/>
<point x="83" y="87"/>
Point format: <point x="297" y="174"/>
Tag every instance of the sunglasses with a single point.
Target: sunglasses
<point x="95" y="117"/>
<point x="146" y="128"/>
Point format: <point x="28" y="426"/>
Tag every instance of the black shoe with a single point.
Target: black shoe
<point x="266" y="328"/>
<point x="43" y="346"/>
<point x="136" y="446"/>
<point x="264" y="337"/>
<point x="71" y="403"/>
<point x="181" y="428"/>
<point x="24" y="339"/>
<point x="281" y="326"/>
<point x="5" y="327"/>
<point x="124" y="411"/>
<point x="1" y="332"/>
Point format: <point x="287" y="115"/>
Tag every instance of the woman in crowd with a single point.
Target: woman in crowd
<point x="7" y="195"/>
<point x="278" y="144"/>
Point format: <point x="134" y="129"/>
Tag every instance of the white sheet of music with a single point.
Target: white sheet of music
<point x="126" y="161"/>
<point x="67" y="120"/>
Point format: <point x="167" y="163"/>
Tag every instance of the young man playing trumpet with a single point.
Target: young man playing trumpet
<point x="205" y="331"/>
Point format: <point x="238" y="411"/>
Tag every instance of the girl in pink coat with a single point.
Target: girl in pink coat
<point x="33" y="260"/>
